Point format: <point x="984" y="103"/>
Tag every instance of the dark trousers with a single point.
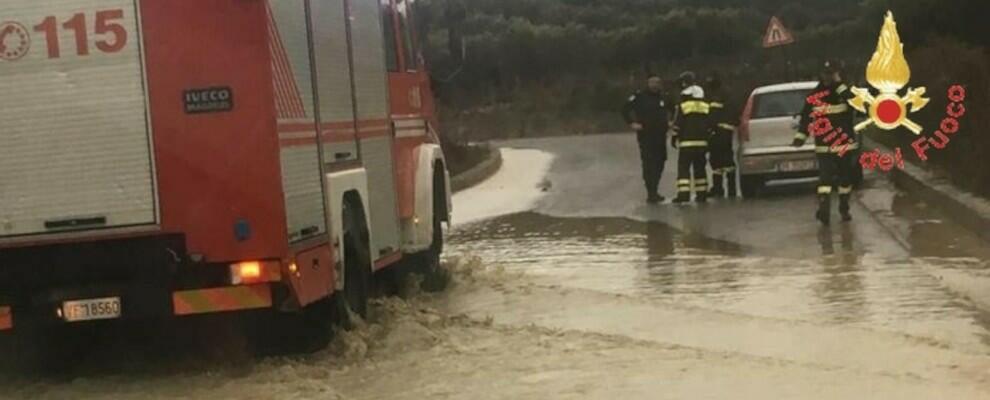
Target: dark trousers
<point x="691" y="159"/>
<point x="836" y="171"/>
<point x="722" y="161"/>
<point x="653" y="154"/>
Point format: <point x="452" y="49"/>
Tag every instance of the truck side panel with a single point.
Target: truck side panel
<point x="333" y="81"/>
<point x="315" y="126"/>
<point x="374" y="128"/>
<point x="219" y="172"/>
<point x="412" y="108"/>
<point x="75" y="146"/>
<point x="297" y="123"/>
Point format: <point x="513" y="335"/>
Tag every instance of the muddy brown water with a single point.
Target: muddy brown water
<point x="844" y="285"/>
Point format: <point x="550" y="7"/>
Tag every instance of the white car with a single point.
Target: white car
<point x="766" y="130"/>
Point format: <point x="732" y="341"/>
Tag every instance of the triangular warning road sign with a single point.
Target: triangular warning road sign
<point x="776" y="34"/>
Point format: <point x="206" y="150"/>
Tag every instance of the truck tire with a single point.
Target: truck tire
<point x="750" y="186"/>
<point x="435" y="276"/>
<point x="310" y="329"/>
<point x="356" y="273"/>
<point x="353" y="300"/>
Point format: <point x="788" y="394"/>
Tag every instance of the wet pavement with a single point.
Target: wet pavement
<point x="567" y="285"/>
<point x="762" y="261"/>
<point x="845" y="284"/>
<point x="764" y="257"/>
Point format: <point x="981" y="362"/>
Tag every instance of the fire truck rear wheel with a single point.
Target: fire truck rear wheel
<point x="353" y="300"/>
<point x="435" y="276"/>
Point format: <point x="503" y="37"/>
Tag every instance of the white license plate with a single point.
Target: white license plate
<point x="803" y="165"/>
<point x="91" y="309"/>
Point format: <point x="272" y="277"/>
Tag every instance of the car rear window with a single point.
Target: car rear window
<point x="779" y="104"/>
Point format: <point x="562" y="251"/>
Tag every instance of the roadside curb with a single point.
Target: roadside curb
<point x="964" y="208"/>
<point x="478" y="173"/>
<point x="946" y="200"/>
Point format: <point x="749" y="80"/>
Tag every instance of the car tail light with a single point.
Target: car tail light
<point x="251" y="272"/>
<point x="744" y="120"/>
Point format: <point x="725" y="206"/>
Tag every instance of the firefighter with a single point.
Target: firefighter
<point x="692" y="128"/>
<point x="647" y="113"/>
<point x="828" y="117"/>
<point x="721" y="155"/>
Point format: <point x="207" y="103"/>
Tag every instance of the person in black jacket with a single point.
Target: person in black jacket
<point x="647" y="113"/>
<point x="828" y="118"/>
<point x="721" y="155"/>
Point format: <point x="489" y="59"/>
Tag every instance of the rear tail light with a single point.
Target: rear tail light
<point x="251" y="272"/>
<point x="744" y="120"/>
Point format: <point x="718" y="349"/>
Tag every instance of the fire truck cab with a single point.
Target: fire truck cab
<point x="167" y="158"/>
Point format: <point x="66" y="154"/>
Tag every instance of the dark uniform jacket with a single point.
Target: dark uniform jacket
<point x="650" y="110"/>
<point x="830" y="118"/>
<point x="723" y="130"/>
<point x="693" y="121"/>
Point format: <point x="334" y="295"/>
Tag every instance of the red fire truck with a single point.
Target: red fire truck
<point x="167" y="158"/>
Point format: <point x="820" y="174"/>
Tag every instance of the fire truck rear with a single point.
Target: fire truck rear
<point x="163" y="158"/>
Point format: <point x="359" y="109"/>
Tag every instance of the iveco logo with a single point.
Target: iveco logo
<point x="214" y="99"/>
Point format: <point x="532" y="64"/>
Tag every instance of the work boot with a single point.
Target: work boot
<point x="716" y="191"/>
<point x="701" y="197"/>
<point x="824" y="212"/>
<point x="730" y="181"/>
<point x="654" y="198"/>
<point x="844" y="208"/>
<point x="682" y="197"/>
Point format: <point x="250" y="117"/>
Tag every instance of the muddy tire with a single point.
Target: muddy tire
<point x="311" y="329"/>
<point x="353" y="300"/>
<point x="276" y="333"/>
<point x="435" y="276"/>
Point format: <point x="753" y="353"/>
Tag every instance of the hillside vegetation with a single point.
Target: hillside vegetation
<point x="517" y="68"/>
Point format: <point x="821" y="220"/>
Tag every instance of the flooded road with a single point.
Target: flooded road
<point x="844" y="285"/>
<point x="568" y="286"/>
<point x="900" y="292"/>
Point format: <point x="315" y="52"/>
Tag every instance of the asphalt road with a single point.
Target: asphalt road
<point x="754" y="278"/>
<point x="567" y="285"/>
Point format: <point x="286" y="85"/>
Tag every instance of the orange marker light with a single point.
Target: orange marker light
<point x="250" y="272"/>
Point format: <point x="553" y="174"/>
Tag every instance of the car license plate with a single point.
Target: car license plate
<point x="803" y="165"/>
<point x="91" y="309"/>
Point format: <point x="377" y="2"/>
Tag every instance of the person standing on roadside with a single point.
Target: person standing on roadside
<point x="828" y="106"/>
<point x="692" y="129"/>
<point x="647" y="113"/>
<point x="721" y="153"/>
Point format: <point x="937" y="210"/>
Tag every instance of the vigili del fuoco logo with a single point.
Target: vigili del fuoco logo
<point x="888" y="73"/>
